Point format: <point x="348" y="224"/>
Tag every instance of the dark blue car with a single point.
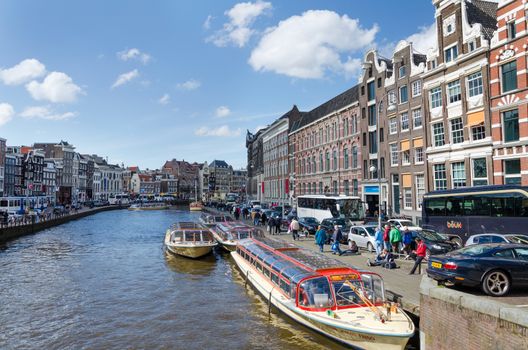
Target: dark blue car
<point x="494" y="267"/>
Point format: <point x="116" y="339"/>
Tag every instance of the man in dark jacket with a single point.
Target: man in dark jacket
<point x="337" y="236"/>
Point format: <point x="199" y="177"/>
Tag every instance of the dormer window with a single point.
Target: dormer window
<point x="451" y="53"/>
<point x="472" y="46"/>
<point x="402" y="72"/>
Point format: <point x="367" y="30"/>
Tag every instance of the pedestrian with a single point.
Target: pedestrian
<point x="245" y="213"/>
<point x="256" y="218"/>
<point x="386" y="238"/>
<point x="395" y="239"/>
<point x="378" y="238"/>
<point x="337" y="237"/>
<point x="237" y="213"/>
<point x="320" y="237"/>
<point x="263" y="218"/>
<point x="271" y="224"/>
<point x="407" y="241"/>
<point x="278" y="225"/>
<point x="420" y="253"/>
<point x="294" y="228"/>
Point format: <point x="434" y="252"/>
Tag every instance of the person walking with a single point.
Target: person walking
<point x="420" y="253"/>
<point x="395" y="239"/>
<point x="278" y="225"/>
<point x="407" y="241"/>
<point x="271" y="224"/>
<point x="294" y="228"/>
<point x="337" y="237"/>
<point x="386" y="238"/>
<point x="237" y="213"/>
<point x="263" y="218"/>
<point x="256" y="219"/>
<point x="378" y="238"/>
<point x="320" y="238"/>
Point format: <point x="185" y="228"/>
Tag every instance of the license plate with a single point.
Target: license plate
<point x="436" y="265"/>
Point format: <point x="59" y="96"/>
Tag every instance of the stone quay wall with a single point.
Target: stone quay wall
<point x="455" y="320"/>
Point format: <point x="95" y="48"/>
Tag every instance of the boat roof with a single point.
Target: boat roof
<point x="234" y="225"/>
<point x="188" y="226"/>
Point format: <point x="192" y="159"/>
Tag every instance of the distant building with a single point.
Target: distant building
<point x="2" y="164"/>
<point x="220" y="173"/>
<point x="185" y="173"/>
<point x="255" y="159"/>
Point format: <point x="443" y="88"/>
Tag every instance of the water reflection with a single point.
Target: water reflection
<point x="186" y="266"/>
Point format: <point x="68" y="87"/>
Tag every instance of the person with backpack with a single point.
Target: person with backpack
<point x="386" y="238"/>
<point x="378" y="237"/>
<point x="337" y="236"/>
<point x="320" y="238"/>
<point x="407" y="241"/>
<point x="395" y="239"/>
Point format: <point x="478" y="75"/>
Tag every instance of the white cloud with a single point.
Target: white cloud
<point x="57" y="87"/>
<point x="134" y="54"/>
<point x="308" y="45"/>
<point x="424" y="39"/>
<point x="238" y="30"/>
<point x="6" y="113"/>
<point x="43" y="112"/>
<point x="23" y="72"/>
<point x="221" y="131"/>
<point x="165" y="99"/>
<point x="222" y="112"/>
<point x="125" y="78"/>
<point x="191" y="84"/>
<point x="207" y="22"/>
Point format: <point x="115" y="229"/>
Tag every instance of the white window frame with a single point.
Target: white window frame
<point x="400" y="75"/>
<point x="452" y="131"/>
<point x="400" y="93"/>
<point x="393" y="149"/>
<point x="407" y="198"/>
<point x="420" y="189"/>
<point x="435" y="179"/>
<point x="473" y="178"/>
<point x="434" y="135"/>
<point x="469" y="79"/>
<point x="434" y="92"/>
<point x="393" y="125"/>
<point x="453" y="179"/>
<point x="416" y="88"/>
<point x="451" y="48"/>
<point x="406" y="157"/>
<point x="448" y="91"/>
<point x="415" y="112"/>
<point x="406" y="114"/>
<point x="474" y="127"/>
<point x="391" y="96"/>
<point x="417" y="154"/>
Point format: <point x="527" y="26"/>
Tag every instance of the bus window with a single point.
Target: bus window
<point x="435" y="207"/>
<point x="454" y="206"/>
<point x="503" y="207"/>
<point x="521" y="205"/>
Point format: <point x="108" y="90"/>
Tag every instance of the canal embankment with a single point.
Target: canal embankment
<point x="15" y="231"/>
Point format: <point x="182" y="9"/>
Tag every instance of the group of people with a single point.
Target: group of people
<point x="321" y="239"/>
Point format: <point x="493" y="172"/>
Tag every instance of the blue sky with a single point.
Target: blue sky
<point x="146" y="81"/>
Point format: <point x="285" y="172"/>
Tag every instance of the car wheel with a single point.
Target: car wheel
<point x="370" y="248"/>
<point x="496" y="283"/>
<point x="457" y="241"/>
<point x="427" y="254"/>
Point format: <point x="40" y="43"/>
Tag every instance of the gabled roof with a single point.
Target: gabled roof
<point x="218" y="164"/>
<point x="485" y="13"/>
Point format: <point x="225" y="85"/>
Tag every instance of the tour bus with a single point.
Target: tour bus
<point x="463" y="212"/>
<point x="121" y="198"/>
<point x="17" y="203"/>
<point x="327" y="206"/>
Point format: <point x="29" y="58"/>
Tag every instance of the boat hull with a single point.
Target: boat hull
<point x="195" y="209"/>
<point x="193" y="252"/>
<point x="226" y="245"/>
<point x="148" y="208"/>
<point x="351" y="337"/>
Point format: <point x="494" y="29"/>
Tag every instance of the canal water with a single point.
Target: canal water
<point x="105" y="282"/>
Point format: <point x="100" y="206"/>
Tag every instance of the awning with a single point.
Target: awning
<point x="475" y="118"/>
<point x="405" y="145"/>
<point x="406" y="180"/>
<point x="418" y="142"/>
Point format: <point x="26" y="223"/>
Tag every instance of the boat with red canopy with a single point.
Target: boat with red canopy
<point x="324" y="294"/>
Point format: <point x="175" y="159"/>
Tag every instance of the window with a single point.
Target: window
<point x="510" y="121"/>
<point x="438" y="134"/>
<point x="394" y="154"/>
<point x="474" y="84"/>
<point x="327" y="161"/>
<point x="335" y="159"/>
<point x="321" y="164"/>
<point x="379" y="83"/>
<point x="373" y="144"/>
<point x="440" y="179"/>
<point x="453" y="91"/>
<point x="402" y="72"/>
<point x="480" y="173"/>
<point x="512" y="172"/>
<point x="458" y="172"/>
<point x="406" y="157"/>
<point x="363" y="113"/>
<point x="391" y="97"/>
<point x="381" y="137"/>
<point x="393" y="126"/>
<point x="364" y="139"/>
<point x="355" y="186"/>
<point x="336" y="191"/>
<point x="407" y="198"/>
<point x="403" y="94"/>
<point x="372" y="115"/>
<point x="417" y="118"/>
<point x="509" y="76"/>
<point x="451" y="54"/>
<point x="417" y="88"/>
<point x="436" y="97"/>
<point x="353" y="125"/>
<point x="434" y="63"/>
<point x="478" y="132"/>
<point x="345" y="126"/>
<point x="371" y="91"/>
<point x="321" y="187"/>
<point x="362" y="90"/>
<point x="420" y="189"/>
<point x="472" y="46"/>
<point x="354" y="157"/>
<point x="511" y="30"/>
<point x="365" y="169"/>
<point x="346" y="187"/>
<point x="418" y="155"/>
<point x="345" y="158"/>
<point x="457" y="130"/>
<point x="404" y="121"/>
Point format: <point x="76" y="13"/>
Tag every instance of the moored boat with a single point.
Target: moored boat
<point x="227" y="234"/>
<point x="213" y="219"/>
<point x="324" y="294"/>
<point x="195" y="206"/>
<point x="148" y="206"/>
<point x="189" y="239"/>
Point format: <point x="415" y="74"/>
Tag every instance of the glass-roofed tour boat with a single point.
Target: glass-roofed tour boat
<point x="213" y="219"/>
<point x="189" y="239"/>
<point x="227" y="234"/>
<point x="324" y="294"/>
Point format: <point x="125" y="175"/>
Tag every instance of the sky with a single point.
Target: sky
<point x="142" y="82"/>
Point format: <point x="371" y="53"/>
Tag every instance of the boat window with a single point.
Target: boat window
<point x="315" y="293"/>
<point x="373" y="284"/>
<point x="266" y="271"/>
<point x="285" y="286"/>
<point x="177" y="237"/>
<point x="293" y="290"/>
<point x="275" y="278"/>
<point x="192" y="236"/>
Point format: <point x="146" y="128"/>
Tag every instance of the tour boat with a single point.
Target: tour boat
<point x="189" y="239"/>
<point x="324" y="294"/>
<point x="213" y="219"/>
<point x="195" y="206"/>
<point x="148" y="206"/>
<point x="227" y="234"/>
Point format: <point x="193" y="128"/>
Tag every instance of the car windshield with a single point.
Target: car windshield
<point x="517" y="239"/>
<point x="340" y="222"/>
<point x="312" y="221"/>
<point x="473" y="250"/>
<point x="431" y="236"/>
<point x="371" y="230"/>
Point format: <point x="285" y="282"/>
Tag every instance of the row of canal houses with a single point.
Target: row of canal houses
<point x="453" y="117"/>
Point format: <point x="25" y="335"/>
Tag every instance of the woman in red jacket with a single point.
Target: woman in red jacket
<point x="420" y="254"/>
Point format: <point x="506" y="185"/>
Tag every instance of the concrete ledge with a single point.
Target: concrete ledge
<point x="517" y="315"/>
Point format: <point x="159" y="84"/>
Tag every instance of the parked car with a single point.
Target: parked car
<point x="495" y="267"/>
<point x="328" y="225"/>
<point x="496" y="238"/>
<point x="435" y="243"/>
<point x="363" y="236"/>
<point x="308" y="224"/>
<point x="399" y="223"/>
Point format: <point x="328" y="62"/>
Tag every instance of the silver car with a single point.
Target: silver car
<point x="363" y="236"/>
<point x="496" y="238"/>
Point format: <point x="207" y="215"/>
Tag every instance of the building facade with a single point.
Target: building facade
<point x="2" y="164"/>
<point x="255" y="159"/>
